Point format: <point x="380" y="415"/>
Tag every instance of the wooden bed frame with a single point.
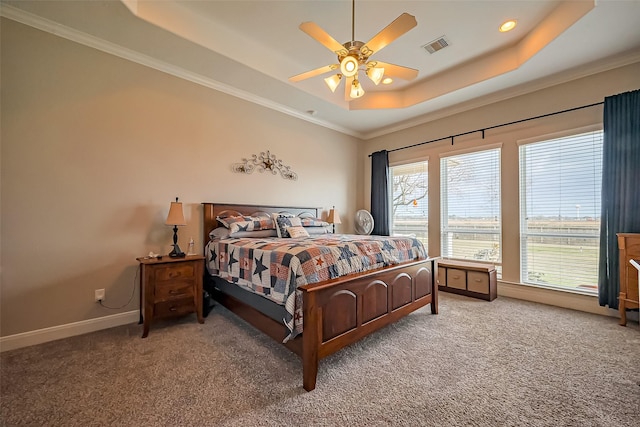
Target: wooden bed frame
<point x="336" y="312"/>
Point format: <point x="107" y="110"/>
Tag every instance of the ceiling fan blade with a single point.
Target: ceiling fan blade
<point x="401" y="25"/>
<point x="392" y="70"/>
<point x="347" y="89"/>
<point x="314" y="73"/>
<point x="320" y="35"/>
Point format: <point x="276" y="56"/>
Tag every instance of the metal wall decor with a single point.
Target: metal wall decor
<point x="265" y="161"/>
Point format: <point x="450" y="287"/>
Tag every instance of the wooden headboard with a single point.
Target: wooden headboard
<point x="213" y="210"/>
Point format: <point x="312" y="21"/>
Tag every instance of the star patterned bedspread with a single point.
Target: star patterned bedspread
<point x="275" y="267"/>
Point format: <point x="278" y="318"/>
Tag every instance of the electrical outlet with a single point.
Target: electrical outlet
<point x="99" y="295"/>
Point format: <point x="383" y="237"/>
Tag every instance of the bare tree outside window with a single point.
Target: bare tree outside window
<point x="410" y="200"/>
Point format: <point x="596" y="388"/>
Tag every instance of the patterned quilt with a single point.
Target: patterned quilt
<point x="274" y="267"/>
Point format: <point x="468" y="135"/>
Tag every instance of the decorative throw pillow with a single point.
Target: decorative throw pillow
<point x="283" y="222"/>
<point x="297" y="231"/>
<point x="275" y="217"/>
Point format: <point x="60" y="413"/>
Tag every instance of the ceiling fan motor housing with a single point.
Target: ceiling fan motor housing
<point x="354" y="49"/>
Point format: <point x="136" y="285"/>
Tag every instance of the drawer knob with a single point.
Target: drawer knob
<point x="174" y="292"/>
<point x="172" y="308"/>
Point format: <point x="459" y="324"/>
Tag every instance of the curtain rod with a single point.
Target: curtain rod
<point x="451" y="137"/>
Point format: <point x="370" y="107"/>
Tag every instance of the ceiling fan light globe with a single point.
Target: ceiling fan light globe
<point x="333" y="82"/>
<point x="356" y="90"/>
<point x="349" y="66"/>
<point x="375" y="74"/>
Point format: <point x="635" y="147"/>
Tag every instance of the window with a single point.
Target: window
<point x="410" y="215"/>
<point x="560" y="183"/>
<point x="470" y="206"/>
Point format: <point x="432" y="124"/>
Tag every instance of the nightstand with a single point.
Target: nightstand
<point x="170" y="287"/>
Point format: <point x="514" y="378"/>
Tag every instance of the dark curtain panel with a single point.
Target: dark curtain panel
<point x="620" y="187"/>
<point x="380" y="192"/>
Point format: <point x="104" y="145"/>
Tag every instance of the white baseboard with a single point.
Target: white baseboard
<point x="40" y="336"/>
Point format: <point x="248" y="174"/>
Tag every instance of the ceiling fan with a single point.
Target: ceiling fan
<point x="354" y="55"/>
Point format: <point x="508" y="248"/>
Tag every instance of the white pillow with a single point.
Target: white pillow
<point x="297" y="231"/>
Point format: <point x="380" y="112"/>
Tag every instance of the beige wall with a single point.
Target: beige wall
<point x="94" y="148"/>
<point x="576" y="93"/>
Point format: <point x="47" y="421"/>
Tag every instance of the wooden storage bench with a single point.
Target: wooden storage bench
<point x="468" y="278"/>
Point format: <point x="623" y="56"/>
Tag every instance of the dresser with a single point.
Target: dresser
<point x="629" y="247"/>
<point x="170" y="287"/>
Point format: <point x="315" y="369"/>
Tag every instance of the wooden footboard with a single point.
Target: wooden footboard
<point x="338" y="312"/>
<point x="342" y="311"/>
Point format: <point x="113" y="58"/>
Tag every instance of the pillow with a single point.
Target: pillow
<point x="223" y="233"/>
<point x="247" y="223"/>
<point x="253" y="223"/>
<point x="219" y="233"/>
<point x="313" y="222"/>
<point x="297" y="231"/>
<point x="286" y="221"/>
<point x="318" y="230"/>
<point x="275" y="217"/>
<point x="227" y="221"/>
<point x="255" y="234"/>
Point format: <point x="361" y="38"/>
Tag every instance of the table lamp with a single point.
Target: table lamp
<point x="176" y="218"/>
<point x="334" y="218"/>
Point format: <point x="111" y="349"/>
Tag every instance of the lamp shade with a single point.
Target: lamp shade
<point x="356" y="90"/>
<point x="333" y="81"/>
<point x="334" y="217"/>
<point x="375" y="74"/>
<point x="176" y="216"/>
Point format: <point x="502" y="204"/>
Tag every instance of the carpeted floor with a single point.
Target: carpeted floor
<point x="477" y="363"/>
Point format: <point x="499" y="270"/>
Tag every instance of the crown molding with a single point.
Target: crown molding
<point x="63" y="31"/>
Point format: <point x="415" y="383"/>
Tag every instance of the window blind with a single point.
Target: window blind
<point x="560" y="182"/>
<point x="470" y="206"/>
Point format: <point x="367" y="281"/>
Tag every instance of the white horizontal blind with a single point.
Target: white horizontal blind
<point x="560" y="191"/>
<point x="410" y="207"/>
<point x="470" y="206"/>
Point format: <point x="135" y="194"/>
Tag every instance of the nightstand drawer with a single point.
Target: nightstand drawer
<point x="478" y="282"/>
<point x="173" y="308"/>
<point x="173" y="271"/>
<point x="174" y="290"/>
<point x="456" y="278"/>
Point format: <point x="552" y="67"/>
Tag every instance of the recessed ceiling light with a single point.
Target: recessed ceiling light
<point x="508" y="25"/>
<point x="387" y="81"/>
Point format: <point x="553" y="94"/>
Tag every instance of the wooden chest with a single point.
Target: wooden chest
<point x="468" y="278"/>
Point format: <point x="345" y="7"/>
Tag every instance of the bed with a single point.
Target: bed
<point x="334" y="312"/>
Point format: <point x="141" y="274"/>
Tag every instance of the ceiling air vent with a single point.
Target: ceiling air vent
<point x="436" y="45"/>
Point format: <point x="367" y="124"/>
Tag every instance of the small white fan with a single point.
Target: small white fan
<point x="364" y="222"/>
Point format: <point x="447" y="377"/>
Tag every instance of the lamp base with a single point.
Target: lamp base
<point x="176" y="252"/>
